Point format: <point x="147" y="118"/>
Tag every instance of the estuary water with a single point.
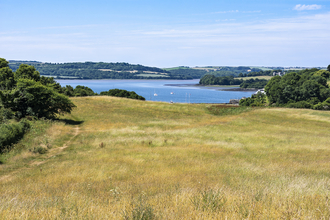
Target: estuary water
<point x="178" y="91"/>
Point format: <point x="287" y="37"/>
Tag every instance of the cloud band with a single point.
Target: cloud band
<point x="307" y="7"/>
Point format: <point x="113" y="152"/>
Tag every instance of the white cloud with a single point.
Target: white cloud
<point x="224" y="12"/>
<point x="248" y="12"/>
<point x="307" y="7"/>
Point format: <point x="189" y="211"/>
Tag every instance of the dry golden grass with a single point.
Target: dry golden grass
<point x="255" y="77"/>
<point x="144" y="160"/>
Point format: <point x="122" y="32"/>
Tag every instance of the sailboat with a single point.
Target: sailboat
<point x="172" y="93"/>
<point x="155" y="94"/>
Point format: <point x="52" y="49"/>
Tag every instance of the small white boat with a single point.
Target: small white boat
<point x="155" y="94"/>
<point x="172" y="93"/>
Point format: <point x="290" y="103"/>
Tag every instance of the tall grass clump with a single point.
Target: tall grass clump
<point x="139" y="210"/>
<point x="209" y="200"/>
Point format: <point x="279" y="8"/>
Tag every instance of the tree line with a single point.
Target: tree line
<point x="304" y="89"/>
<point x="102" y="70"/>
<point x="230" y="80"/>
<point x="221" y="80"/>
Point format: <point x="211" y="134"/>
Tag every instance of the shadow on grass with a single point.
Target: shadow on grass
<point x="71" y="122"/>
<point x="228" y="109"/>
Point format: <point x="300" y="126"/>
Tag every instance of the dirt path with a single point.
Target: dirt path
<point x="56" y="151"/>
<point x="51" y="153"/>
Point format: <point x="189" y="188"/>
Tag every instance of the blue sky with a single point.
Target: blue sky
<point x="168" y="33"/>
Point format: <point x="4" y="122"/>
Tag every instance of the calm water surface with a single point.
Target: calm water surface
<point x="183" y="91"/>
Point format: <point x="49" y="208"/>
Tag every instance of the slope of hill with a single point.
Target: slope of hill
<point x="116" y="158"/>
<point x="93" y="70"/>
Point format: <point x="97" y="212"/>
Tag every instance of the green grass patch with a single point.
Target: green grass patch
<point x="255" y="77"/>
<point x="228" y="109"/>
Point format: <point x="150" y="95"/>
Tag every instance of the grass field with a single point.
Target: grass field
<point x="262" y="68"/>
<point x="115" y="158"/>
<point x="176" y="68"/>
<point x="151" y="75"/>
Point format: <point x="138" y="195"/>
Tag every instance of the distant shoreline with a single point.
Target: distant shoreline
<point x="221" y="88"/>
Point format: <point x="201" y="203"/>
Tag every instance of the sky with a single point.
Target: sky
<point x="168" y="33"/>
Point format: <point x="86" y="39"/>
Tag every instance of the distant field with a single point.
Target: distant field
<point x="175" y="68"/>
<point x="151" y="75"/>
<point x="115" y="158"/>
<point x="204" y="68"/>
<point x="255" y="77"/>
<point x="262" y="68"/>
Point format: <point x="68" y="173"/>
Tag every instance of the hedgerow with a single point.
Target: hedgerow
<point x="12" y="133"/>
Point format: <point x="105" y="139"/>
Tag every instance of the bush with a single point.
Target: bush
<point x="123" y="93"/>
<point x="40" y="150"/>
<point x="258" y="99"/>
<point x="323" y="105"/>
<point x="254" y="83"/>
<point x="301" y="104"/>
<point x="12" y="133"/>
<point x="5" y="114"/>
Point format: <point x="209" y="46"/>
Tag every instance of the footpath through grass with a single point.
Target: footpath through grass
<point x="144" y="160"/>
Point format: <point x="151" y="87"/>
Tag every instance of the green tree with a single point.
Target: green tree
<point x="68" y="91"/>
<point x="50" y="82"/>
<point x="33" y="98"/>
<point x="323" y="73"/>
<point x="123" y="93"/>
<point x="328" y="68"/>
<point x="7" y="78"/>
<point x="27" y="72"/>
<point x="3" y="63"/>
<point x="83" y="91"/>
<point x="273" y="89"/>
<point x="310" y="89"/>
<point x="26" y="93"/>
<point x="299" y="90"/>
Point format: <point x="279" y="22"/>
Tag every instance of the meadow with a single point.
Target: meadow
<point x="255" y="77"/>
<point x="115" y="158"/>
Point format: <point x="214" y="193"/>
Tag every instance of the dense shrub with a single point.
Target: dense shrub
<point x="5" y="114"/>
<point x="300" y="104"/>
<point x="221" y="80"/>
<point x="305" y="89"/>
<point x="254" y="83"/>
<point x="31" y="98"/>
<point x="309" y="85"/>
<point x="12" y="133"/>
<point x="123" y="93"/>
<point x="82" y="91"/>
<point x="27" y="94"/>
<point x="323" y="105"/>
<point x="258" y="99"/>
